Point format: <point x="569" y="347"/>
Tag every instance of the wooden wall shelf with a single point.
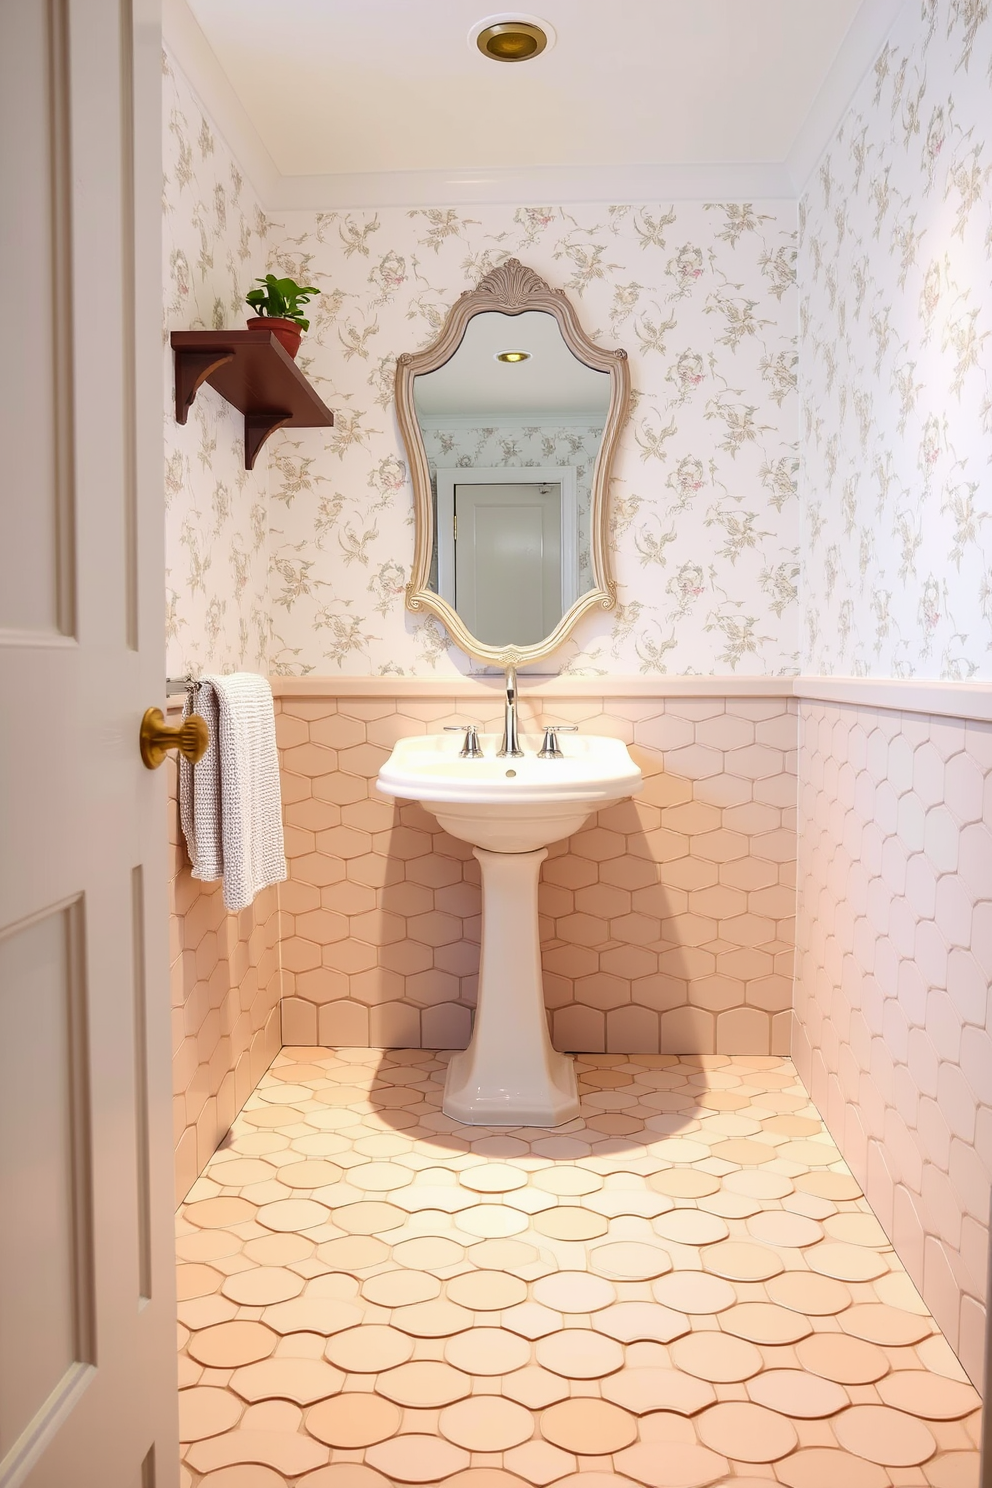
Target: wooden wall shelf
<point x="255" y="374"/>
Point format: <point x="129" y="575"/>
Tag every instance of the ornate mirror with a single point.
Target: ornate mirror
<point x="510" y="420"/>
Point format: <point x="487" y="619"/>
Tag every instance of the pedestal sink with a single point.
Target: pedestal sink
<point x="510" y="809"/>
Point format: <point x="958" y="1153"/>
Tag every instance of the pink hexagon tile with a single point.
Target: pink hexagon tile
<point x="667" y="921"/>
<point x="226" y="990"/>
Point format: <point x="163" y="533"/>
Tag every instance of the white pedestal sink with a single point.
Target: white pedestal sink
<point x="510" y="810"/>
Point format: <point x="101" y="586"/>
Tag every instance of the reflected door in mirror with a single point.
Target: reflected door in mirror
<point x="508" y="568"/>
<point x="537" y="417"/>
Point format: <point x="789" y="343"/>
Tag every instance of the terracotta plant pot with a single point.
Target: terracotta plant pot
<point x="286" y="331"/>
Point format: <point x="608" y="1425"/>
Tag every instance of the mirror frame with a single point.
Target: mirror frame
<point x="511" y="289"/>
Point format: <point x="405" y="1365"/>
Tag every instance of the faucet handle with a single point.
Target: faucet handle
<point x="471" y="748"/>
<point x="549" y="749"/>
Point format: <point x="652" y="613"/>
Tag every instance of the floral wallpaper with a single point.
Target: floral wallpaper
<point x="704" y="510"/>
<point x="217" y="513"/>
<point x="896" y="362"/>
<point x="515" y="445"/>
<point x="300" y="566"/>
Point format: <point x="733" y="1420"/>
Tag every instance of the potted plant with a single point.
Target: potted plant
<point x="277" y="307"/>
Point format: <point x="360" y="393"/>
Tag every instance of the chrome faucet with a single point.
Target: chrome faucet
<point x="549" y="749"/>
<point x="471" y="748"/>
<point x="511" y="743"/>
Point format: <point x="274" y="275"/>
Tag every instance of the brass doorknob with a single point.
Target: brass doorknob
<point x="191" y="738"/>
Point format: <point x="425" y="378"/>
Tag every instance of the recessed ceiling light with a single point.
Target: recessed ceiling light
<point x="513" y="356"/>
<point x="512" y="38"/>
<point x="512" y="41"/>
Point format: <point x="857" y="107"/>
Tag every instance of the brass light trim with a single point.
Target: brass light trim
<point x="513" y="357"/>
<point x="512" y="41"/>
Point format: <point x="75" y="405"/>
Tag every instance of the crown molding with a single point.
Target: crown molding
<point x="510" y="185"/>
<point x="534" y="186"/>
<point x="864" y="40"/>
<point x="196" y="58"/>
<point x="529" y="185"/>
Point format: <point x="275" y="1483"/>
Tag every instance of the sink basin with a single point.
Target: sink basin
<point x="510" y="805"/>
<point x="510" y="810"/>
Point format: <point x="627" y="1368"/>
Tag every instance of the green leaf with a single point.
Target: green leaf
<point x="282" y="298"/>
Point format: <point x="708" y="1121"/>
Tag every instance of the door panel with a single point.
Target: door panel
<point x="508" y="561"/>
<point x="87" y="1307"/>
<point x="46" y="1274"/>
<point x="35" y="570"/>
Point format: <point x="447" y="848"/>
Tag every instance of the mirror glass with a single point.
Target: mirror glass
<point x="512" y="425"/>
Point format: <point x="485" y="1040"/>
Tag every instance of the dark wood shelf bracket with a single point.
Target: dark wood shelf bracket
<point x="193" y="369"/>
<point x="258" y="427"/>
<point x="254" y="373"/>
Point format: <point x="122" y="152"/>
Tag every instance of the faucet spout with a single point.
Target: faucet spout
<point x="511" y="743"/>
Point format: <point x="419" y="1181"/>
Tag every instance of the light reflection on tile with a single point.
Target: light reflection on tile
<point x="725" y="1330"/>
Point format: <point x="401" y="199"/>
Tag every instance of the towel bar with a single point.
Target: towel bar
<point x="175" y="686"/>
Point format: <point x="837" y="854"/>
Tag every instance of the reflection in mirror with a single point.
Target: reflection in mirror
<point x="512" y="426"/>
<point x="511" y="420"/>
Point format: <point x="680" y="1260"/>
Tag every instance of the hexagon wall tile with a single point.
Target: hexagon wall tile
<point x="667" y="921"/>
<point x="894" y="965"/>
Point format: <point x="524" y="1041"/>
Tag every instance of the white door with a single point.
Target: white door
<point x="87" y="1309"/>
<point x="508" y="561"/>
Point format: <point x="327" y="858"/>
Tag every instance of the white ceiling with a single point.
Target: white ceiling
<point x="552" y="382"/>
<point x="337" y="90"/>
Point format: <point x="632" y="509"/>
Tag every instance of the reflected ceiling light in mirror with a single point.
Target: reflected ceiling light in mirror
<point x="513" y="356"/>
<point x="511" y="37"/>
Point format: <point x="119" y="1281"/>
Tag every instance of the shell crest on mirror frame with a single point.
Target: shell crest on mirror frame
<point x="513" y="284"/>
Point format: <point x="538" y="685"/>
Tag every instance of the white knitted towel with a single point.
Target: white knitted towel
<point x="199" y="791"/>
<point x="229" y="801"/>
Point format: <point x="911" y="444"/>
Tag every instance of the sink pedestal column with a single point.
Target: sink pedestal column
<point x="510" y="1075"/>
